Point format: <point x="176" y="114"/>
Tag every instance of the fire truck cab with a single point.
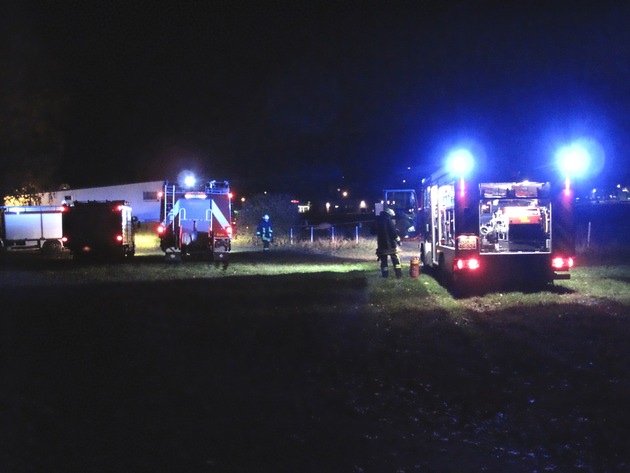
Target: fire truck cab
<point x="196" y="221"/>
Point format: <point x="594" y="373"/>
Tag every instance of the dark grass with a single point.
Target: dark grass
<point x="304" y="372"/>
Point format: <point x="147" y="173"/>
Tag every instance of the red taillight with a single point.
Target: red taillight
<point x="228" y="229"/>
<point x="160" y="229"/>
<point x="560" y="262"/>
<point x="119" y="238"/>
<point x="64" y="239"/>
<point x="471" y="264"/>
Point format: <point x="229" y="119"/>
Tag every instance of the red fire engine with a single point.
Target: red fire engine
<point x="476" y="232"/>
<point x="496" y="232"/>
<point x="196" y="220"/>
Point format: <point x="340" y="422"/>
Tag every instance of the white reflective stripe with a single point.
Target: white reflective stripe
<point x="216" y="211"/>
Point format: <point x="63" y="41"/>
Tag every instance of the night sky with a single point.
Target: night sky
<point x="301" y="97"/>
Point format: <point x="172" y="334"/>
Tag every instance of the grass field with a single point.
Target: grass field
<point x="307" y="361"/>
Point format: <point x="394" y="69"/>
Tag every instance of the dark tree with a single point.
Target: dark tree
<point x="32" y="108"/>
<point x="282" y="212"/>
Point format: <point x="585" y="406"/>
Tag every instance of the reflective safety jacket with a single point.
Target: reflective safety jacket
<point x="264" y="231"/>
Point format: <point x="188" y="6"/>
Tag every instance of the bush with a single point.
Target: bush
<point x="282" y="212"/>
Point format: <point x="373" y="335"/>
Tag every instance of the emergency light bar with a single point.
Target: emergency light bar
<point x="195" y="195"/>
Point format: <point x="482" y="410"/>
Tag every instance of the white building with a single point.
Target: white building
<point x="144" y="197"/>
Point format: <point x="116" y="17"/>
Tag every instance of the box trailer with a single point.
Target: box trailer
<point x="31" y="228"/>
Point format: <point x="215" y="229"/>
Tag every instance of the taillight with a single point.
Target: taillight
<point x="228" y="229"/>
<point x="160" y="229"/>
<point x="64" y="239"/>
<point x="470" y="264"/>
<point x="119" y="238"/>
<point x="562" y="263"/>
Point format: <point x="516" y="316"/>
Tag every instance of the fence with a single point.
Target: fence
<point x="598" y="226"/>
<point x="327" y="231"/>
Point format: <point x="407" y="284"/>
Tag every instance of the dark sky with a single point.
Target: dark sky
<point x="297" y="96"/>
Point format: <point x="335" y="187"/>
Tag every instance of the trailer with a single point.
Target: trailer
<point x="100" y="228"/>
<point x="31" y="228"/>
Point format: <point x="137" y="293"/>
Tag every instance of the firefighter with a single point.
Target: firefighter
<point x="388" y="242"/>
<point x="265" y="232"/>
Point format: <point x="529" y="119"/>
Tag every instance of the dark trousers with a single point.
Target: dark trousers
<point x="395" y="263"/>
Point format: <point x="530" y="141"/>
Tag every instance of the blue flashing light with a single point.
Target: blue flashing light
<point x="187" y="179"/>
<point x="460" y="162"/>
<point x="573" y="160"/>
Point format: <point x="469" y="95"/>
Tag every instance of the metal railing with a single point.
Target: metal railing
<point x="332" y="232"/>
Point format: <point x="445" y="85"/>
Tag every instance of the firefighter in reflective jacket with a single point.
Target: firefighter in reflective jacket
<point x="265" y="232"/>
<point x="388" y="242"/>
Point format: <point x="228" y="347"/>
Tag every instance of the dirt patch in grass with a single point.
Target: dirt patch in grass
<point x="266" y="367"/>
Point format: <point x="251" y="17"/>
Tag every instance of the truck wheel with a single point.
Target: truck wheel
<point x="51" y="246"/>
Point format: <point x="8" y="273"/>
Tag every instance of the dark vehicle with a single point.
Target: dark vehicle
<point x="100" y="228"/>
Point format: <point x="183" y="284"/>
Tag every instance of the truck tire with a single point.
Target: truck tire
<point x="51" y="247"/>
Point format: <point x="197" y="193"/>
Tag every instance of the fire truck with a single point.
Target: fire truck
<point x="476" y="233"/>
<point x="404" y="203"/>
<point x="196" y="220"/>
<point x="512" y="232"/>
<point x="100" y="228"/>
<point x="36" y="227"/>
